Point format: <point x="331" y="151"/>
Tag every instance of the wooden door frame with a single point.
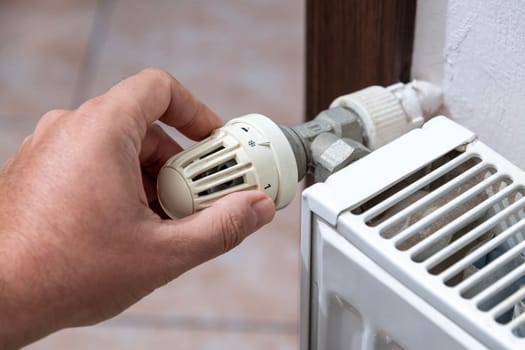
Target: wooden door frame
<point x="351" y="44"/>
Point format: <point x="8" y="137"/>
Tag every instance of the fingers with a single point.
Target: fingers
<point x="189" y="115"/>
<point x="150" y="187"/>
<point x="150" y="95"/>
<point x="219" y="228"/>
<point x="157" y="148"/>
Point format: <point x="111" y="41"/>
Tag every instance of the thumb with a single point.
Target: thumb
<point x="219" y="228"/>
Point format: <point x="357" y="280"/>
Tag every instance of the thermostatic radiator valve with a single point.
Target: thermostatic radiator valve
<point x="253" y="152"/>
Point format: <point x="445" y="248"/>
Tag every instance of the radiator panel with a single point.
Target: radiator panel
<point x="444" y="215"/>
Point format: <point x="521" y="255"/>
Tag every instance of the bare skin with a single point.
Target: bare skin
<point x="81" y="235"/>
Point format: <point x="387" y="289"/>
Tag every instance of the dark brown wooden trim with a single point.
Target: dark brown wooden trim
<point x="351" y="44"/>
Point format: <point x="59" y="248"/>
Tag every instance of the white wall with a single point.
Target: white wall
<point x="475" y="49"/>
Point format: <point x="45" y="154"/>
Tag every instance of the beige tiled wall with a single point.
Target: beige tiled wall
<point x="237" y="56"/>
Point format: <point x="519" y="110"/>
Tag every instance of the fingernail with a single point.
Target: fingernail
<point x="264" y="210"/>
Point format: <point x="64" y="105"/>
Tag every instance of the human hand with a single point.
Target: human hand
<point x="81" y="236"/>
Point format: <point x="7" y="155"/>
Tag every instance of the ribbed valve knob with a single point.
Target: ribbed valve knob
<point x="250" y="152"/>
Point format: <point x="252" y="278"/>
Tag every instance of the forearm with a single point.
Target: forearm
<point x="18" y="329"/>
<point x="26" y="313"/>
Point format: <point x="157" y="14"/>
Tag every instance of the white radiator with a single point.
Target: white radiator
<point x="419" y="245"/>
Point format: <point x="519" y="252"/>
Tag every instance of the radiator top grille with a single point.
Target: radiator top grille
<point x="463" y="219"/>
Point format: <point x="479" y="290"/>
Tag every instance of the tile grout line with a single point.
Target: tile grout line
<point x="220" y="324"/>
<point x="97" y="37"/>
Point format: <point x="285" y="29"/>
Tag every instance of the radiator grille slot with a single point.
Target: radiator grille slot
<point x="378" y="217"/>
<point x="461" y="218"/>
<point x="476" y="234"/>
<point x="440" y="202"/>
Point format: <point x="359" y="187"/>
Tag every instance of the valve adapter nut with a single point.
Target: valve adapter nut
<point x="331" y="154"/>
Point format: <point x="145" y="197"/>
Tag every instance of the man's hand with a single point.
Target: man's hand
<point x="81" y="234"/>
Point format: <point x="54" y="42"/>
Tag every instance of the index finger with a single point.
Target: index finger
<point x="154" y="94"/>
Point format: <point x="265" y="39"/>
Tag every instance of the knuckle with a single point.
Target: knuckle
<point x="52" y="115"/>
<point x="49" y="119"/>
<point x="233" y="230"/>
<point x="93" y="105"/>
<point x="153" y="70"/>
<point x="160" y="74"/>
<point x="160" y="82"/>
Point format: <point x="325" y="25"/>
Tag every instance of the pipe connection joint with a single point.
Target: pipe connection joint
<point x="252" y="152"/>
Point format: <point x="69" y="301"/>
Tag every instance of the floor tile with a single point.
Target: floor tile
<point x="257" y="280"/>
<point x="42" y="45"/>
<point x="238" y="56"/>
<point x="105" y="337"/>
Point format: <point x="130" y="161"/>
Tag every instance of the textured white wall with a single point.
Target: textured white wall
<point x="475" y="49"/>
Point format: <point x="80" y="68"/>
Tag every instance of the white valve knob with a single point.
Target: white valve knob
<point x="250" y="152"/>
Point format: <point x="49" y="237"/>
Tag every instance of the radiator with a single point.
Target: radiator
<point x="419" y="245"/>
